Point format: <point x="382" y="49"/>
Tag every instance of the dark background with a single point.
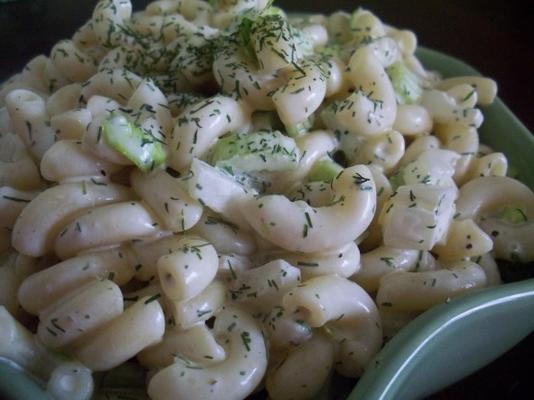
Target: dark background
<point x="495" y="37"/>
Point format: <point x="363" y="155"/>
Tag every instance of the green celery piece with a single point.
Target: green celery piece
<point x="301" y="128"/>
<point x="513" y="215"/>
<point x="324" y="170"/>
<point x="406" y="84"/>
<point x="138" y="146"/>
<point x="260" y="151"/>
<point x="397" y="179"/>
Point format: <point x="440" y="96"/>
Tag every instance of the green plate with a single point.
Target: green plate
<point x="447" y="342"/>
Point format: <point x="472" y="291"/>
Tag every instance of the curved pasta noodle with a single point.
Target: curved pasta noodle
<point x="94" y="143"/>
<point x="196" y="344"/>
<point x="465" y="239"/>
<point x="431" y="167"/>
<point x="315" y="194"/>
<point x="17" y="168"/>
<point x="285" y="328"/>
<point x="336" y="79"/>
<point x="35" y="76"/>
<point x="417" y="147"/>
<point x="236" y="73"/>
<point x="148" y="252"/>
<point x="299" y="227"/>
<point x="188" y="313"/>
<point x="17" y="82"/>
<point x="445" y="109"/>
<point x="21" y="346"/>
<point x="71" y="124"/>
<point x="263" y="287"/>
<point x="288" y="380"/>
<point x="418" y="216"/>
<point x="101" y="105"/>
<point x="204" y="181"/>
<point x="224" y="235"/>
<point x="71" y="381"/>
<point x="107" y="17"/>
<point x="384" y="151"/>
<point x="12" y="202"/>
<point x="231" y="261"/>
<point x="64" y="99"/>
<point x="71" y="62"/>
<point x="188" y="270"/>
<point x="177" y="210"/>
<point x="85" y="39"/>
<point x="350" y="313"/>
<point x="362" y="115"/>
<point x="405" y="39"/>
<point x="189" y="139"/>
<point x="153" y="292"/>
<point x="491" y="269"/>
<point x="45" y="287"/>
<point x="373" y="237"/>
<point x="52" y="77"/>
<point x="413" y="120"/>
<point x="227" y="11"/>
<point x="300" y="97"/>
<point x="30" y="121"/>
<point x="338" y="26"/>
<point x="191" y="60"/>
<point x="418" y="291"/>
<point x="118" y="84"/>
<point x="9" y="283"/>
<point x="246" y="355"/>
<point x="486" y="89"/>
<point x="494" y="164"/>
<point x="148" y="101"/>
<point x="382" y="261"/>
<point x="79" y="313"/>
<point x="511" y="242"/>
<point x="313" y="146"/>
<point x="105" y="225"/>
<point x="65" y="161"/>
<point x="386" y="50"/>
<point x="487" y="194"/>
<point x="464" y="141"/>
<point x="138" y="327"/>
<point x="367" y="26"/>
<point x="41" y="220"/>
<point x="343" y="261"/>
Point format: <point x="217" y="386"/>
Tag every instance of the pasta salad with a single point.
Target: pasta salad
<point x="235" y="199"/>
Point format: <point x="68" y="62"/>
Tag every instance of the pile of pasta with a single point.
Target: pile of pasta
<point x="190" y="186"/>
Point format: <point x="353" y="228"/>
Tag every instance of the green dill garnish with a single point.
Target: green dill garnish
<point x="201" y="313"/>
<point x="388" y="261"/>
<point x="307" y="264"/>
<point x="153" y="298"/>
<point x="16" y="199"/>
<point x="245" y="337"/>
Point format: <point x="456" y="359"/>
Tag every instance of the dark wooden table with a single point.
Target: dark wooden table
<point x="496" y="37"/>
